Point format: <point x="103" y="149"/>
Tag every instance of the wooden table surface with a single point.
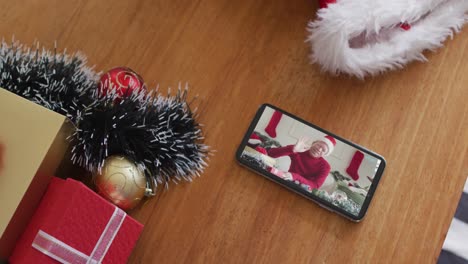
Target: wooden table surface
<point x="237" y="55"/>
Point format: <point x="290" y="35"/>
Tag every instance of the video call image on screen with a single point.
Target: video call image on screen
<point x="316" y="162"/>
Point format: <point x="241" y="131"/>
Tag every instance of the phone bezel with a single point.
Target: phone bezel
<point x="294" y="187"/>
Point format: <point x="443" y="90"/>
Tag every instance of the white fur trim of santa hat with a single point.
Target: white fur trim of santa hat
<point x="254" y="141"/>
<point x="431" y="22"/>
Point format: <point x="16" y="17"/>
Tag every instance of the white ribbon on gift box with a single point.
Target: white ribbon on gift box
<point x="63" y="253"/>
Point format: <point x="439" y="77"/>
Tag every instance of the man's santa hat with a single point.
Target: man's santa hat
<point x="367" y="37"/>
<point x="254" y="139"/>
<point x="331" y="143"/>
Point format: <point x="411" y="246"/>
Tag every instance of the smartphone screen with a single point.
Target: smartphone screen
<point x="334" y="172"/>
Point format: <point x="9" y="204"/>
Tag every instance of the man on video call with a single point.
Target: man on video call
<point x="308" y="167"/>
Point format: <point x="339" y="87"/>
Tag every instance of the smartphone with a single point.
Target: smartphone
<point x="339" y="175"/>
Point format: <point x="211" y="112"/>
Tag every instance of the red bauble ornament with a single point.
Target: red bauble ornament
<point x="122" y="79"/>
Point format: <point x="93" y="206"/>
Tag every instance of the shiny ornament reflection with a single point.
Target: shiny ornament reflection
<point x="121" y="182"/>
<point x="123" y="80"/>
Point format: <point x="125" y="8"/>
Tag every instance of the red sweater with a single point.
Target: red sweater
<point x="304" y="168"/>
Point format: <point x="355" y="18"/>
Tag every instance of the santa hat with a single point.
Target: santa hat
<point x="331" y="143"/>
<point x="367" y="37"/>
<point x="254" y="139"/>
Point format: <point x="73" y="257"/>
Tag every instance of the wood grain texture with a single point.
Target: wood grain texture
<point x="237" y="55"/>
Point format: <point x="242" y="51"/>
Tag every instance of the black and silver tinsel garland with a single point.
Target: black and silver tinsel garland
<point x="160" y="133"/>
<point x="60" y="82"/>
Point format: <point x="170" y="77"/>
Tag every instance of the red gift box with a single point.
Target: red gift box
<point x="73" y="224"/>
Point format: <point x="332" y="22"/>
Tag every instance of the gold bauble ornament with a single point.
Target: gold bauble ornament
<point x="121" y="182"/>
